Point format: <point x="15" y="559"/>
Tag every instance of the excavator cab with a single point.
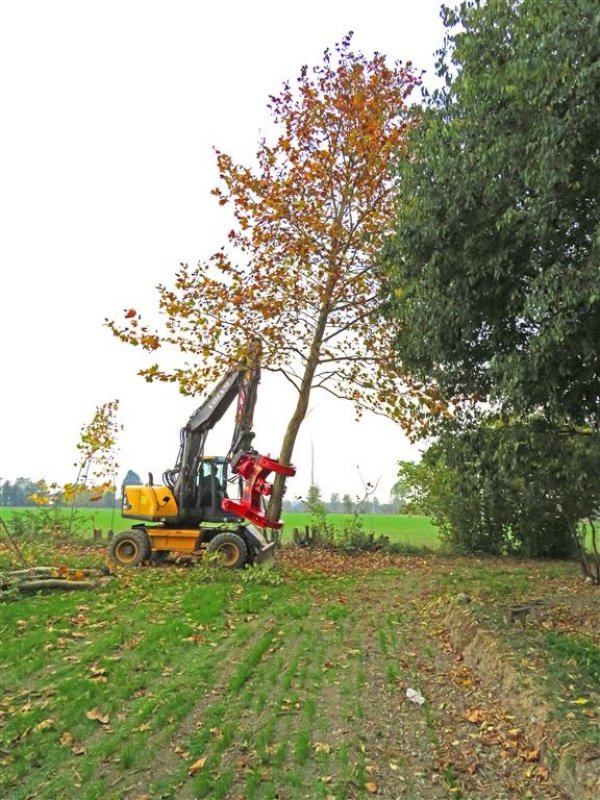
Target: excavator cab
<point x="212" y="488"/>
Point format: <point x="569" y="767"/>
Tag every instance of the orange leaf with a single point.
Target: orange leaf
<point x="131" y="313"/>
<point x="197" y="766"/>
<point x="475" y="715"/>
<point x="371" y="787"/>
<point x="96" y="714"/>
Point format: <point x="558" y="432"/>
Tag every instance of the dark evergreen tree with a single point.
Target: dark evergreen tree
<point x="495" y="265"/>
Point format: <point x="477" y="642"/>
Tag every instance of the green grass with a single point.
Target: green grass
<point x="84" y="519"/>
<point x="415" y="530"/>
<point x="291" y="683"/>
<point x="410" y="529"/>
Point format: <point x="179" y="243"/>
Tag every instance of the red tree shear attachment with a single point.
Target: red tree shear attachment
<point x="254" y="470"/>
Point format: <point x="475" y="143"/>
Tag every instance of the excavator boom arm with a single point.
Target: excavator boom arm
<point x="241" y="383"/>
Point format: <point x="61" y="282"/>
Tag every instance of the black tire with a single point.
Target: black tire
<point x="232" y="549"/>
<point x="130" y="549"/>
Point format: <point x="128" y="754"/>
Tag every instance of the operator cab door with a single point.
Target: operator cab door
<point x="212" y="488"/>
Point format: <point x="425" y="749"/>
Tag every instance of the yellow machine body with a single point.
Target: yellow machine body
<point x="157" y="504"/>
<point x="183" y="540"/>
<point x="149" y="503"/>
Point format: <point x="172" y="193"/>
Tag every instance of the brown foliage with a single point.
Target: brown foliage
<point x="298" y="273"/>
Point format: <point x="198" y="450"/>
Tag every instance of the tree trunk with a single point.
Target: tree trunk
<point x="585" y="564"/>
<point x="55" y="583"/>
<point x="287" y="449"/>
<point x="37" y="579"/>
<point x="291" y="433"/>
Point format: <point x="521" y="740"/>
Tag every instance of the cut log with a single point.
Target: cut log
<point x="42" y="579"/>
<point x="54" y="583"/>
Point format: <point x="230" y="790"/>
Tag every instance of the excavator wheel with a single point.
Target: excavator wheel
<point x="130" y="549"/>
<point x="232" y="549"/>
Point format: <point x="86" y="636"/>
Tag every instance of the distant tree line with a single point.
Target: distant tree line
<point x="23" y="493"/>
<point x="345" y="504"/>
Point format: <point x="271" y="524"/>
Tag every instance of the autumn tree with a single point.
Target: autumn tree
<point x="96" y="463"/>
<point x="298" y="272"/>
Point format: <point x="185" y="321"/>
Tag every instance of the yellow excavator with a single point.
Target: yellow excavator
<point x="192" y="509"/>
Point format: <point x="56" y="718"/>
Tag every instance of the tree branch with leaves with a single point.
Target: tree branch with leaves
<point x="298" y="271"/>
<point x="97" y="463"/>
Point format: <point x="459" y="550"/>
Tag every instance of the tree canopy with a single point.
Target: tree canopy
<point x="495" y="263"/>
<point x="298" y="273"/>
<point x="509" y="486"/>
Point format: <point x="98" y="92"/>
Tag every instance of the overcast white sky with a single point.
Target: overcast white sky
<point x="110" y="111"/>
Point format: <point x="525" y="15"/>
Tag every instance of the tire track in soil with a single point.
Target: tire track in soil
<point x="313" y="663"/>
<point x="356" y="721"/>
<point x="479" y="760"/>
<point x="405" y="750"/>
<point x="168" y="748"/>
<point x="365" y="662"/>
<point x="308" y="657"/>
<point x="242" y="756"/>
<point x="245" y="715"/>
<point x="396" y="736"/>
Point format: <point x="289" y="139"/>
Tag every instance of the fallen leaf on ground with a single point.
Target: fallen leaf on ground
<point x="145" y="726"/>
<point x="476" y="715"/>
<point x="44" y="725"/>
<point x="197" y="766"/>
<point x="97" y="715"/>
<point x="66" y="738"/>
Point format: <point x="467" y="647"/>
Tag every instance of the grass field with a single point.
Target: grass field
<point x="414" y="530"/>
<point x="186" y="682"/>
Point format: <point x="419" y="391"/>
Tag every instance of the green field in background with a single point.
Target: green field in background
<point x="412" y="529"/>
<point x="399" y="527"/>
